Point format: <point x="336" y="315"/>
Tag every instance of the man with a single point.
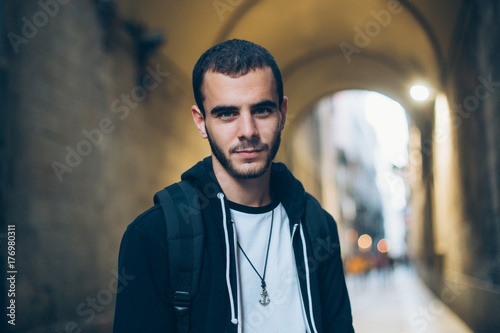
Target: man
<point x="265" y="268"/>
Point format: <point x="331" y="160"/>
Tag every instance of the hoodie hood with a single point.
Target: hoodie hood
<point x="202" y="174"/>
<point x="284" y="186"/>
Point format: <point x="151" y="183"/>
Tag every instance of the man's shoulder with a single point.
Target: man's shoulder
<point x="314" y="205"/>
<point x="310" y="197"/>
<point x="319" y="220"/>
<point x="150" y="223"/>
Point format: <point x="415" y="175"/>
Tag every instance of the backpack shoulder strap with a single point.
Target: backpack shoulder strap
<point x="185" y="233"/>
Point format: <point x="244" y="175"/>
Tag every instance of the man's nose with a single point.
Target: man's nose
<point x="247" y="126"/>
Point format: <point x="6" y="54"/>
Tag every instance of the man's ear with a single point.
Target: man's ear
<point x="283" y="111"/>
<point x="199" y="121"/>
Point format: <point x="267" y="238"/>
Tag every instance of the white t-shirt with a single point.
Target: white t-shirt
<point x="285" y="312"/>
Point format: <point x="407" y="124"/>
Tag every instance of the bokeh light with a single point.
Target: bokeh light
<point x="383" y="246"/>
<point x="364" y="242"/>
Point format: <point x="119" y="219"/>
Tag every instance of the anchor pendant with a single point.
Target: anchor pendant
<point x="265" y="297"/>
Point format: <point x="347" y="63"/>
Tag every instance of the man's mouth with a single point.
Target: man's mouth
<point x="252" y="153"/>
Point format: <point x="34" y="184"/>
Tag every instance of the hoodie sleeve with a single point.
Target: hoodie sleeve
<point x="337" y="316"/>
<point x="142" y="304"/>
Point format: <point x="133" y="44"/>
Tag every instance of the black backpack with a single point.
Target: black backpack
<point x="185" y="234"/>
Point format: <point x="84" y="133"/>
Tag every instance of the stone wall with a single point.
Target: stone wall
<point x="86" y="146"/>
<point x="465" y="271"/>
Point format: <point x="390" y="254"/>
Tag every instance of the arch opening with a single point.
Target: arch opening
<point x="351" y="150"/>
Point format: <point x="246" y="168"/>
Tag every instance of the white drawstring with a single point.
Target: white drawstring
<point x="237" y="279"/>
<point x="220" y="195"/>
<point x="302" y="306"/>
<point x="307" y="278"/>
<point x="293" y="232"/>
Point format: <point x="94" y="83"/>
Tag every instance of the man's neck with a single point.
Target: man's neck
<point x="248" y="192"/>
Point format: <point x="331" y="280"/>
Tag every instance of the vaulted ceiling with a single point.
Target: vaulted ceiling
<point x="321" y="46"/>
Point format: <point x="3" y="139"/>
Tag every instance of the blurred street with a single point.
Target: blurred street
<point x="398" y="302"/>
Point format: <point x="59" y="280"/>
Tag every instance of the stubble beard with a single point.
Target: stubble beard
<point x="228" y="165"/>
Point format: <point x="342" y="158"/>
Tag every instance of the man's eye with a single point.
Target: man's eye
<point x="226" y="115"/>
<point x="262" y="111"/>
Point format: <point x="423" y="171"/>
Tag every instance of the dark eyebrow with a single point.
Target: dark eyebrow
<point x="266" y="103"/>
<point x="222" y="108"/>
<point x="227" y="108"/>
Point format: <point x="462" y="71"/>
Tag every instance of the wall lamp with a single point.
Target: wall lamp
<point x="420" y="92"/>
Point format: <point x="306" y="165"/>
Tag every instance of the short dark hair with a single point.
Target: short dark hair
<point x="233" y="57"/>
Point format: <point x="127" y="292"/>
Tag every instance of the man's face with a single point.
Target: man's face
<point x="243" y="121"/>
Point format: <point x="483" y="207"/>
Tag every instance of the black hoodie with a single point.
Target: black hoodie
<point x="144" y="299"/>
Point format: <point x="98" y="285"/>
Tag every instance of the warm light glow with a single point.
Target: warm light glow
<point x="365" y="242"/>
<point x="383" y="246"/>
<point x="419" y="92"/>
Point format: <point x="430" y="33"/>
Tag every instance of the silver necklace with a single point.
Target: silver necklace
<point x="264" y="295"/>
